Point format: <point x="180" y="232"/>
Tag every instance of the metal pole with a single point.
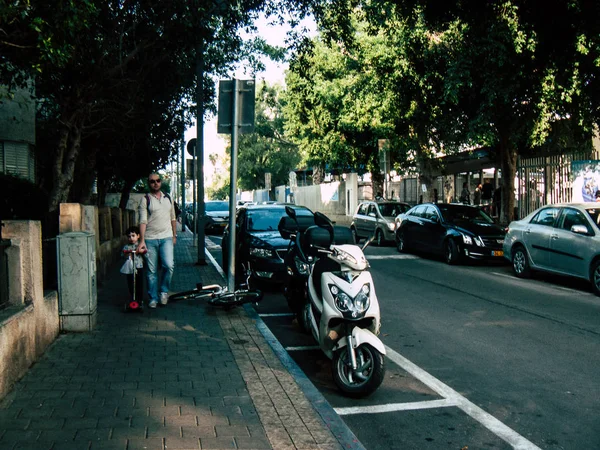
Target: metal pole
<point x="200" y="151"/>
<point x="182" y="172"/>
<point x="233" y="185"/>
<point x="194" y="212"/>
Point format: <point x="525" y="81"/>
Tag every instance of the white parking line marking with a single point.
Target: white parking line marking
<point x="215" y="264"/>
<point x="302" y="348"/>
<point x="392" y="407"/>
<point x="487" y="420"/>
<point x="370" y="257"/>
<point x="276" y="315"/>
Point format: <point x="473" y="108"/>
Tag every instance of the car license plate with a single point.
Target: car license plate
<point x="497" y="253"/>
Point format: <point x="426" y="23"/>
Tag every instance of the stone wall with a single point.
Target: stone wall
<point x="30" y="323"/>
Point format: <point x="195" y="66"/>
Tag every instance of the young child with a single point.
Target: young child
<point x="133" y="236"/>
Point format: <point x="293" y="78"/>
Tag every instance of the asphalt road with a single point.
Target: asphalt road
<point x="476" y="358"/>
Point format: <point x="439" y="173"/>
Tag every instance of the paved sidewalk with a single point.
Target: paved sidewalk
<point x="184" y="376"/>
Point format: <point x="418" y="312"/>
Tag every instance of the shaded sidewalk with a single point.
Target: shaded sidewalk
<point x="184" y="376"/>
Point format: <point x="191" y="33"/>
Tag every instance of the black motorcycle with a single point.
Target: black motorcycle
<point x="297" y="264"/>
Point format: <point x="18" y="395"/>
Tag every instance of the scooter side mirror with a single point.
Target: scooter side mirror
<point x="287" y="227"/>
<point x="290" y="212"/>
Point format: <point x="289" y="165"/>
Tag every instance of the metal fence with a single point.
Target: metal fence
<point x="545" y="179"/>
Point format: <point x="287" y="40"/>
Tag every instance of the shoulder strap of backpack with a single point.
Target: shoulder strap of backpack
<point x="148" y="201"/>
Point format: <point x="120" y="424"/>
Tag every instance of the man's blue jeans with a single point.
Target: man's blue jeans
<point x="162" y="248"/>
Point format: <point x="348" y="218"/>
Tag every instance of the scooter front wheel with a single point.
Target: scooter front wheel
<point x="368" y="375"/>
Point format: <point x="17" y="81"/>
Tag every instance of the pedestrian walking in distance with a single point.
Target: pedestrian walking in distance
<point x="158" y="235"/>
<point x="465" y="195"/>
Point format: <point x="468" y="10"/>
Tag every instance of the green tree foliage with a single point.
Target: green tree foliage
<point x="266" y="150"/>
<point x="115" y="78"/>
<point x="335" y="107"/>
<point x="219" y="188"/>
<point x="457" y="74"/>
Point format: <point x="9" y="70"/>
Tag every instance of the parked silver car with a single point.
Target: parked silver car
<point x="377" y="218"/>
<point x="561" y="238"/>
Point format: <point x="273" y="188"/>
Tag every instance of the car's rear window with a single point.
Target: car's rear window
<point x="217" y="206"/>
<point x="392" y="209"/>
<point x="268" y="219"/>
<point x="457" y="213"/>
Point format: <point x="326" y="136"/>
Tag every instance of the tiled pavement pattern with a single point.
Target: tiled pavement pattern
<point x="185" y="376"/>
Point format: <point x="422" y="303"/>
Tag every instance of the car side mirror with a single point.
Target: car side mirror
<point x="372" y="214"/>
<point x="579" y="229"/>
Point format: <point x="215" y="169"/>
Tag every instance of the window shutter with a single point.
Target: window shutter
<point x="17" y="158"/>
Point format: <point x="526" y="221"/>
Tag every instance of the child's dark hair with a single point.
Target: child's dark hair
<point x="135" y="230"/>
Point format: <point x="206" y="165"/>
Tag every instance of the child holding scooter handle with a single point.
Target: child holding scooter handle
<point x="133" y="268"/>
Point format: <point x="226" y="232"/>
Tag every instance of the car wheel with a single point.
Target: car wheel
<point x="520" y="262"/>
<point x="355" y="235"/>
<point x="451" y="252"/>
<point x="595" y="276"/>
<point x="379" y="241"/>
<point x="400" y="242"/>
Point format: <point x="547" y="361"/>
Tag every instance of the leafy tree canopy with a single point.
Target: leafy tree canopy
<point x="266" y="150"/>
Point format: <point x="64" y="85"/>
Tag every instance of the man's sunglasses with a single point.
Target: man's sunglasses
<point x="155" y="181"/>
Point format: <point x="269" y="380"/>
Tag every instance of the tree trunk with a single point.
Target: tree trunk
<point x="83" y="184"/>
<point x="318" y="174"/>
<point x="508" y="164"/>
<point x="377" y="179"/>
<point x="125" y="193"/>
<point x="63" y="169"/>
<point x="427" y="168"/>
<point x="102" y="187"/>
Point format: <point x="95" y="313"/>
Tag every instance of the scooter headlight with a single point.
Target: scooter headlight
<point x="353" y="308"/>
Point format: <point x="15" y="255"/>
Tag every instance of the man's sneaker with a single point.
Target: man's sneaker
<point x="164" y="298"/>
<point x="152" y="304"/>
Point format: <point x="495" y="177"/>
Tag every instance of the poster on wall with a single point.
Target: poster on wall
<point x="330" y="192"/>
<point x="586" y="180"/>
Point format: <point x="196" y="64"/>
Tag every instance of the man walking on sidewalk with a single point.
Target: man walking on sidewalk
<point x="158" y="235"/>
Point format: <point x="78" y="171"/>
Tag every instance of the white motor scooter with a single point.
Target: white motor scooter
<point x="342" y="309"/>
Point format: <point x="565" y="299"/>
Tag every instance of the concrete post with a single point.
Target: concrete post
<point x="77" y="281"/>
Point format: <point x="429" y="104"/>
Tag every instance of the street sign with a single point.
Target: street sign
<point x="191" y="147"/>
<point x="245" y="119"/>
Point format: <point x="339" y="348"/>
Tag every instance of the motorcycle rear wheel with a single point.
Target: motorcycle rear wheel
<point x="368" y="376"/>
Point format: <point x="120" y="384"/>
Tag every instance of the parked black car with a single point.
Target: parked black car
<point x="259" y="242"/>
<point x="455" y="231"/>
